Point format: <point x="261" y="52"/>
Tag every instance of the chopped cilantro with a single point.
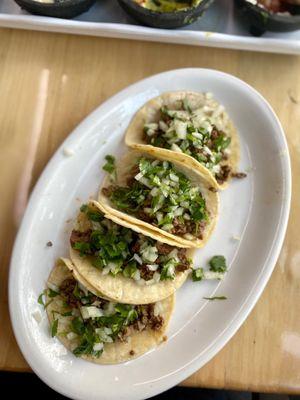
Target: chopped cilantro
<point x="197" y="274"/>
<point x="109" y="166"/>
<point x="54" y="327"/>
<point x="215" y="298"/>
<point x="78" y="326"/>
<point x="52" y="293"/>
<point x="130" y="269"/>
<point x="41" y="298"/>
<point x="218" y="264"/>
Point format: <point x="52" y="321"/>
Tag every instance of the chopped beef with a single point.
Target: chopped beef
<point x="163" y="248"/>
<point x="181" y="254"/>
<point x="146" y="273"/>
<point x="147" y="318"/>
<point x="139" y="326"/>
<point x="130" y="181"/>
<point x="184" y="263"/>
<point x="144" y="216"/>
<point x="201" y="228"/>
<point x="224" y="173"/>
<point x="108" y="191"/>
<point x="238" y="175"/>
<point x="135" y="247"/>
<point x="66" y="290"/>
<point x="212" y="189"/>
<point x="182" y="267"/>
<point x="156" y="322"/>
<point x="179" y="228"/>
<point x="215" y="133"/>
<point x="77" y="236"/>
<point x="224" y="156"/>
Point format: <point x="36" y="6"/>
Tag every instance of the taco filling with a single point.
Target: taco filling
<point x="114" y="250"/>
<point x="193" y="132"/>
<point x="90" y="322"/>
<point x="159" y="194"/>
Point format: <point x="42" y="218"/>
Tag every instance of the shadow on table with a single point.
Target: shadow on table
<point x="30" y="384"/>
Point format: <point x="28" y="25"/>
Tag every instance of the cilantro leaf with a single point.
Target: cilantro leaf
<point x="110" y="167"/>
<point x="218" y="264"/>
<point x="197" y="274"/>
<point x="78" y="326"/>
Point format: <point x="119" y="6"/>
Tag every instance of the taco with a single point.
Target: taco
<point x="188" y="125"/>
<point x="167" y="200"/>
<point x="122" y="263"/>
<point x="99" y="330"/>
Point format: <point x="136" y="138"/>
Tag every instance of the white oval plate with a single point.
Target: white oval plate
<point x="255" y="209"/>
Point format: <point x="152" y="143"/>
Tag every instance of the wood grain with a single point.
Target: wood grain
<point x="49" y="82"/>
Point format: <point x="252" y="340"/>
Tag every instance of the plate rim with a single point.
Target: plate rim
<point x="254" y="294"/>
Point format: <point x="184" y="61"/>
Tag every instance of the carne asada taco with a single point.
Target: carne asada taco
<point x="188" y="125"/>
<point x="99" y="330"/>
<point x="122" y="263"/>
<point x="167" y="200"/>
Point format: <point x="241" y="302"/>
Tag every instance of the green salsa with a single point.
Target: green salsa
<point x="168" y="5"/>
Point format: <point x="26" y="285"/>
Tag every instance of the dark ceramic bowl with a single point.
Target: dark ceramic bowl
<point x="58" y="9"/>
<point x="260" y="20"/>
<point x="165" y="20"/>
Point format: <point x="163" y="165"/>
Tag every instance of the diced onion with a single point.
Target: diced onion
<point x="173" y="254"/>
<point x="159" y="216"/>
<point x="158" y="309"/>
<point x="154" y="192"/>
<point x="163" y="126"/>
<point x="152" y="267"/>
<point x="105" y="271"/>
<point x="167" y="227"/>
<point x="180" y="128"/>
<point x="98" y="346"/>
<point x="137" y="275"/>
<point x="149" y="254"/>
<point x="53" y="287"/>
<point x="212" y="275"/>
<point x="90" y="312"/>
<point x="174" y="147"/>
<point x="156" y="277"/>
<point x="138" y="258"/>
<point x="188" y="236"/>
<point x="178" y="211"/>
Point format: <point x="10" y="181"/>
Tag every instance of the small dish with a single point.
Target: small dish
<point x="166" y="20"/>
<point x="259" y="19"/>
<point x="54" y="8"/>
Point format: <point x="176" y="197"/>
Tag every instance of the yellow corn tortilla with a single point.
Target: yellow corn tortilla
<point x="120" y="288"/>
<point x="199" y="177"/>
<point x="150" y="112"/>
<point x="117" y="352"/>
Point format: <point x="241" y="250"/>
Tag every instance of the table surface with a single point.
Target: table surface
<point x="50" y="82"/>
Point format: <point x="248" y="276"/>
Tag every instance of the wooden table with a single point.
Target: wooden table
<point x="50" y="82"/>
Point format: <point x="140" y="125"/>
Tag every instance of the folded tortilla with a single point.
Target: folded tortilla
<point x="150" y="112"/>
<point x="120" y="288"/>
<point x="136" y="344"/>
<point x="199" y="177"/>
